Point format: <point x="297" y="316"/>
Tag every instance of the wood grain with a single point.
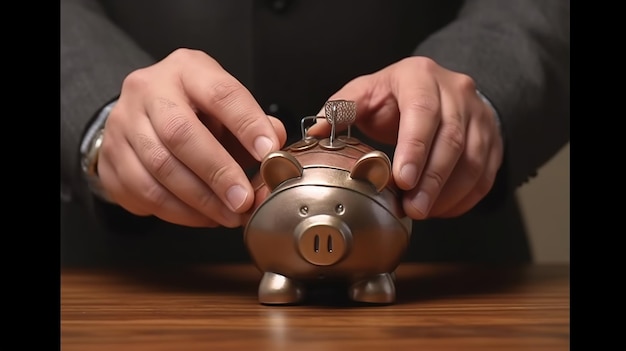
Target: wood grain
<point x="439" y="307"/>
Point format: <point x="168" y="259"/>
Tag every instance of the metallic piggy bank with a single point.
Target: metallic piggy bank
<point x="327" y="211"/>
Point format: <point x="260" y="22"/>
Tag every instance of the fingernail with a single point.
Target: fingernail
<point x="236" y="196"/>
<point x="408" y="174"/>
<point x="262" y="145"/>
<point x="421" y="202"/>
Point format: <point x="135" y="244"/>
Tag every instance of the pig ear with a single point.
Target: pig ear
<point x="279" y="166"/>
<point x="374" y="167"/>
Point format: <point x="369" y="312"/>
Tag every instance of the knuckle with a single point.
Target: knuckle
<point x="452" y="134"/>
<point x="161" y="162"/>
<point x="224" y="93"/>
<point x="418" y="148"/>
<point x="206" y="199"/>
<point x="424" y="102"/>
<point x="421" y="63"/>
<point x="465" y="82"/>
<point x="218" y="173"/>
<point x="184" y="57"/>
<point x="435" y="179"/>
<point x="185" y="54"/>
<point x="137" y="79"/>
<point x="247" y="121"/>
<point x="153" y="193"/>
<point x="177" y="129"/>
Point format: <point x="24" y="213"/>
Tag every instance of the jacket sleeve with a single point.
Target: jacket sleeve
<point x="95" y="58"/>
<point x="518" y="52"/>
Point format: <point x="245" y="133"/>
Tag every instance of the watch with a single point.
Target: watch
<point x="90" y="150"/>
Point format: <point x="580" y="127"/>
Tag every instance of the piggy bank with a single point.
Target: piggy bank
<point x="327" y="211"/>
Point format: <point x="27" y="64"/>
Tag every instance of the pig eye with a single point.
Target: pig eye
<point x="339" y="209"/>
<point x="304" y="210"/>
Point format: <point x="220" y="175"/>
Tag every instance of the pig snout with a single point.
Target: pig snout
<point x="323" y="240"/>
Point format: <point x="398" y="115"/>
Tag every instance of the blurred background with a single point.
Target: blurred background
<point x="545" y="202"/>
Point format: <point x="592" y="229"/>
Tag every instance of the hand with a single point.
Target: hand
<point x="176" y="141"/>
<point x="448" y="144"/>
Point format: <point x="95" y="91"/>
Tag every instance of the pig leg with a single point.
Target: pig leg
<point x="376" y="289"/>
<point x="276" y="289"/>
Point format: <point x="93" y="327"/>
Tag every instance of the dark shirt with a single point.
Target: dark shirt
<point x="292" y="57"/>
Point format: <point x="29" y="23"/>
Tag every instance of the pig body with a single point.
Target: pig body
<point x="326" y="214"/>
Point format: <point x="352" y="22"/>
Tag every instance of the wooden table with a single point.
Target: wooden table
<point x="439" y="307"/>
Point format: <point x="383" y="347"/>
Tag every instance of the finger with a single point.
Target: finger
<point x="356" y="90"/>
<point x="446" y="150"/>
<point x="114" y="188"/>
<point x="420" y="114"/>
<point x="217" y="93"/>
<point x="481" y="188"/>
<point x="145" y="193"/>
<point x="468" y="171"/>
<point x="176" y="177"/>
<point x="377" y="114"/>
<point x="184" y="135"/>
<point x="137" y="208"/>
<point x="240" y="154"/>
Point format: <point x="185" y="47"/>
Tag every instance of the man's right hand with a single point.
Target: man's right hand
<point x="176" y="141"/>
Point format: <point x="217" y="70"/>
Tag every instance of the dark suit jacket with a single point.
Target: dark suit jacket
<point x="293" y="55"/>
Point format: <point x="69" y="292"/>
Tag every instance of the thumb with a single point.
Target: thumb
<point x="356" y="90"/>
